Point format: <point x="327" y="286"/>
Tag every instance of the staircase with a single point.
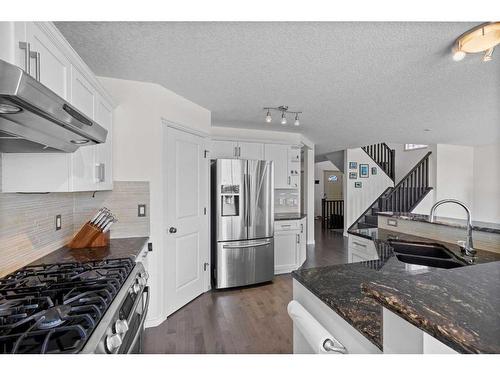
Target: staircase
<point x="403" y="197"/>
<point x="383" y="155"/>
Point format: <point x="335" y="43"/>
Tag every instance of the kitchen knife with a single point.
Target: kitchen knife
<point x="101" y="215"/>
<point x="97" y="214"/>
<point x="102" y="219"/>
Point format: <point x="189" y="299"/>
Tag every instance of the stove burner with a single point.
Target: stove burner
<point x="54" y="308"/>
<point x="53" y="317"/>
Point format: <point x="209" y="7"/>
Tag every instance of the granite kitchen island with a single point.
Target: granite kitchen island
<point x="442" y="303"/>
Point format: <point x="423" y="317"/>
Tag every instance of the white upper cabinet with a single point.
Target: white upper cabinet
<point x="238" y="150"/>
<point x="47" y="63"/>
<point x="41" y="50"/>
<point x="83" y="97"/>
<point x="224" y="150"/>
<point x="104" y="153"/>
<point x="279" y="155"/>
<point x="251" y="150"/>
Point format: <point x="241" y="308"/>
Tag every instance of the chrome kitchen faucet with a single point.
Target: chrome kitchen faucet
<point x="468" y="246"/>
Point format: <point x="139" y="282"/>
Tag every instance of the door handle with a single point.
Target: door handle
<point x="298" y="238"/>
<point x="248" y="245"/>
<point x="172" y="230"/>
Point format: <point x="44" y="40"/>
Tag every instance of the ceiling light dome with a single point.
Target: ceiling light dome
<point x="481" y="39"/>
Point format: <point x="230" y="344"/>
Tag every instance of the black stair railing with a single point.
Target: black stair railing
<point x="410" y="190"/>
<point x="332" y="212"/>
<point x="383" y="155"/>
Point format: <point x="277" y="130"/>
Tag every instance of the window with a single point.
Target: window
<point x="410" y="146"/>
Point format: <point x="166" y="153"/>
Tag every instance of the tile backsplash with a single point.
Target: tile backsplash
<point x="27" y="221"/>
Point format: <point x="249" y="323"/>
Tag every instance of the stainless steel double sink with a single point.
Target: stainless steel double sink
<point x="426" y="254"/>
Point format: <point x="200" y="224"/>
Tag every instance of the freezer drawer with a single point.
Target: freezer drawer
<point x="244" y="262"/>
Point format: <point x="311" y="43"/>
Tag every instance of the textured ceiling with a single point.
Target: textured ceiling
<point x="357" y="83"/>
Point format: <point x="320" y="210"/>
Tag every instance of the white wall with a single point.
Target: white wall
<point x="357" y="200"/>
<point x="404" y="161"/>
<point x="486" y="197"/>
<point x="451" y="176"/>
<point x="319" y="189"/>
<point x="137" y="156"/>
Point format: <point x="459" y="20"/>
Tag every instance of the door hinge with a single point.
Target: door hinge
<point x="205" y="265"/>
<point x="205" y="153"/>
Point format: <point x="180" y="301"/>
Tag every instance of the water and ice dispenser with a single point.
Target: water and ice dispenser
<point x="230" y="200"/>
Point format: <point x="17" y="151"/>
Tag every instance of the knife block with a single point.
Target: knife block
<point x="89" y="236"/>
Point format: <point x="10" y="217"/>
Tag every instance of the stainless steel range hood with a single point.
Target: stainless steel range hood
<point x="35" y="119"/>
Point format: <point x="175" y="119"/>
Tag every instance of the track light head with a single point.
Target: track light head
<point x="283" y="118"/>
<point x="268" y="117"/>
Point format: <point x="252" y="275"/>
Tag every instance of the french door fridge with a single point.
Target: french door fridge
<point x="242" y="222"/>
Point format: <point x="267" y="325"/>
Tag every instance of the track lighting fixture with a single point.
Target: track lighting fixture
<point x="284" y="110"/>
<point x="268" y="116"/>
<point x="483" y="38"/>
<point x="283" y="118"/>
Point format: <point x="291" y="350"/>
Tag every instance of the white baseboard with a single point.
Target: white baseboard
<point x="154" y="322"/>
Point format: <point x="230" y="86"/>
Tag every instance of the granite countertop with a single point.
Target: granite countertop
<point x="340" y="286"/>
<point x="459" y="307"/>
<point x="117" y="248"/>
<point x="448" y="221"/>
<point x="289" y="216"/>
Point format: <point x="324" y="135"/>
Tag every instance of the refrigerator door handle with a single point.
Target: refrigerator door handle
<point x="247" y="245"/>
<point x="249" y="217"/>
<point x="245" y="201"/>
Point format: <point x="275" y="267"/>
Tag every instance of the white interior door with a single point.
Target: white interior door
<point x="186" y="220"/>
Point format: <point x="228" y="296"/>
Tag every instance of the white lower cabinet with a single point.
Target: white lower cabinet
<point x="289" y="245"/>
<point x="361" y="249"/>
<point x="347" y="335"/>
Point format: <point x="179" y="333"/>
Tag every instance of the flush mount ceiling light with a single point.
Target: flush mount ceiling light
<point x="284" y="110"/>
<point x="481" y="39"/>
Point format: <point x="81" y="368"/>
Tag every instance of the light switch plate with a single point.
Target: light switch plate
<point x="141" y="210"/>
<point x="58" y="222"/>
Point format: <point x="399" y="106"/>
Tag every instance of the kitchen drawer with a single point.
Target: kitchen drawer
<point x="286" y="225"/>
<point x="361" y="249"/>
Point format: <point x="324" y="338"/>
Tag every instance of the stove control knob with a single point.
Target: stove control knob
<point x="136" y="288"/>
<point x="113" y="342"/>
<point x="121" y="326"/>
<point x="143" y="281"/>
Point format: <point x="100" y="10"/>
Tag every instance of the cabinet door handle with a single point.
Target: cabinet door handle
<point x="100" y="172"/>
<point x="298" y="238"/>
<point x="27" y="55"/>
<point x="289" y="180"/>
<point x="36" y="55"/>
<point x="359" y="244"/>
<point x="235" y="152"/>
<point x="301" y="228"/>
<point x="239" y="151"/>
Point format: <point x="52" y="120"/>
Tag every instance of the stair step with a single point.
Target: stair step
<point x="371" y="219"/>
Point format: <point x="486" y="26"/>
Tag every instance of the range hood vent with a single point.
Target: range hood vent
<point x="35" y="119"/>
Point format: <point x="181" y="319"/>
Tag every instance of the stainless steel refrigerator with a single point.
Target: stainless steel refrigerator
<point x="242" y="222"/>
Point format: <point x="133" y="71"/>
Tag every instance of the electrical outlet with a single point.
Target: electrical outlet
<point x="141" y="210"/>
<point x="58" y="222"/>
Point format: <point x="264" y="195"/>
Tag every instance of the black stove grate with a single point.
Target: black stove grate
<point x="54" y="308"/>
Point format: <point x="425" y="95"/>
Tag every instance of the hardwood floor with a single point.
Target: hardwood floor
<point x="244" y="320"/>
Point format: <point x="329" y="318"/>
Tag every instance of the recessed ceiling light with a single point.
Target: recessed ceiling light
<point x="427" y="130"/>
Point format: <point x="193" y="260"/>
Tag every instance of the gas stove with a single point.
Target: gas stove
<point x="91" y="307"/>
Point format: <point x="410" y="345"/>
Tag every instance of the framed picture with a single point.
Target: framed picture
<point x="358" y="184"/>
<point x="353" y="165"/>
<point x="353" y="175"/>
<point x="364" y="170"/>
<point x="374" y="170"/>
